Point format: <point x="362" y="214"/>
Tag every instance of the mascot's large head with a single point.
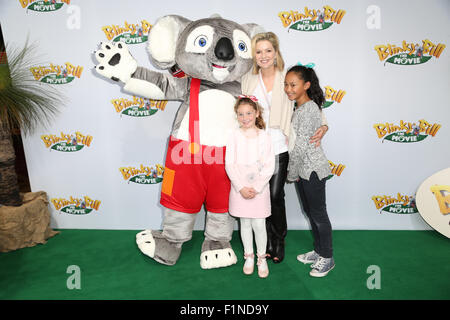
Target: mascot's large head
<point x="212" y="49"/>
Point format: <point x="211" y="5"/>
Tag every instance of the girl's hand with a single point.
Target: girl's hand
<point x="247" y="193"/>
<point x="318" y="135"/>
<point x="253" y="192"/>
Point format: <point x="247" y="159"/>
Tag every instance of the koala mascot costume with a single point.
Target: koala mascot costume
<point x="214" y="53"/>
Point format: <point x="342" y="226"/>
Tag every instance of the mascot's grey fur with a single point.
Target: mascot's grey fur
<point x="218" y="52"/>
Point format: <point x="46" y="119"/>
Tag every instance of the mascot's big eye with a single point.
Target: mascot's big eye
<point x="242" y="46"/>
<point x="201" y="41"/>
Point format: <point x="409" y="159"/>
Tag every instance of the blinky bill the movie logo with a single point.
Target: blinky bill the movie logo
<point x="76" y="206"/>
<point x="143" y="174"/>
<point x="138" y="107"/>
<point x="311" y="20"/>
<point x="401" y="204"/>
<point x="130" y="33"/>
<point x="406" y="132"/>
<point x="409" y="53"/>
<point x="43" y="5"/>
<point x="57" y="74"/>
<point x="67" y="142"/>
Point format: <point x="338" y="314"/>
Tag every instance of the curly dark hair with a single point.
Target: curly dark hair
<point x="314" y="92"/>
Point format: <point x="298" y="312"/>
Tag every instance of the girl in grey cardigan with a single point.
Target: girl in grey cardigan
<point x="308" y="165"/>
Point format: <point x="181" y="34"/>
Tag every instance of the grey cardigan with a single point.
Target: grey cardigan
<point x="305" y="157"/>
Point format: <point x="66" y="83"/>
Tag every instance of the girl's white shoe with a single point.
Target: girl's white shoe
<point x="249" y="263"/>
<point x="263" y="268"/>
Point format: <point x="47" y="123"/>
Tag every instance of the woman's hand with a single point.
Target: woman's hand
<point x="318" y="135"/>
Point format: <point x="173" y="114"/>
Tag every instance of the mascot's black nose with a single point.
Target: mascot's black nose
<point x="224" y="49"/>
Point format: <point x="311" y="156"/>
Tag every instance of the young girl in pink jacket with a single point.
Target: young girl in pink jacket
<point x="250" y="163"/>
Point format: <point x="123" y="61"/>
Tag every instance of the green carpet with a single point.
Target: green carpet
<point x="412" y="264"/>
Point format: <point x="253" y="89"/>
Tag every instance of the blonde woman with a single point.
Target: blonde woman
<point x="265" y="81"/>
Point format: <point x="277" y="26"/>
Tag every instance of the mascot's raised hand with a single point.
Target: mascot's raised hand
<point x="115" y="61"/>
<point x="214" y="53"/>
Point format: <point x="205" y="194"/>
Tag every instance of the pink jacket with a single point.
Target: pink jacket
<point x="249" y="162"/>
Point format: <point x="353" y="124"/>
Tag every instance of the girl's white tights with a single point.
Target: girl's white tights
<point x="248" y="225"/>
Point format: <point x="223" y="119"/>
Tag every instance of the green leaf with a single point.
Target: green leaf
<point x="76" y="210"/>
<point x="410" y="60"/>
<point x="403" y="137"/>
<point x="131" y="39"/>
<point x="5" y="78"/>
<point x="64" y="147"/>
<point x="56" y="79"/>
<point x="399" y="209"/>
<point x="26" y="103"/>
<point x="327" y="104"/>
<point x="139" y="112"/>
<point x="37" y="6"/>
<point x="303" y="25"/>
<point x="143" y="179"/>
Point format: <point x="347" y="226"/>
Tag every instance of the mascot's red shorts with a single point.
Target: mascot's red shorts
<point x="195" y="174"/>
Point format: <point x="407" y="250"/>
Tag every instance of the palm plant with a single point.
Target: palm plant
<point x="24" y="104"/>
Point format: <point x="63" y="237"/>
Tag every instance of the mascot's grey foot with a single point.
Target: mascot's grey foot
<point x="217" y="254"/>
<point x="153" y="244"/>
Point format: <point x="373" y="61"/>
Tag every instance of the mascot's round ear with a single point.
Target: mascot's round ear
<point x="253" y="29"/>
<point x="162" y="40"/>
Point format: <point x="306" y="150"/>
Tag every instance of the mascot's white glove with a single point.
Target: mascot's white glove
<point x="115" y="61"/>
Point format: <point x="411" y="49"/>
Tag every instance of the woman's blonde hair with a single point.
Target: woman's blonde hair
<point x="273" y="39"/>
<point x="260" y="124"/>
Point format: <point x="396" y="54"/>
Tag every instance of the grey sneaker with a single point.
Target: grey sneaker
<point x="321" y="267"/>
<point x="309" y="257"/>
